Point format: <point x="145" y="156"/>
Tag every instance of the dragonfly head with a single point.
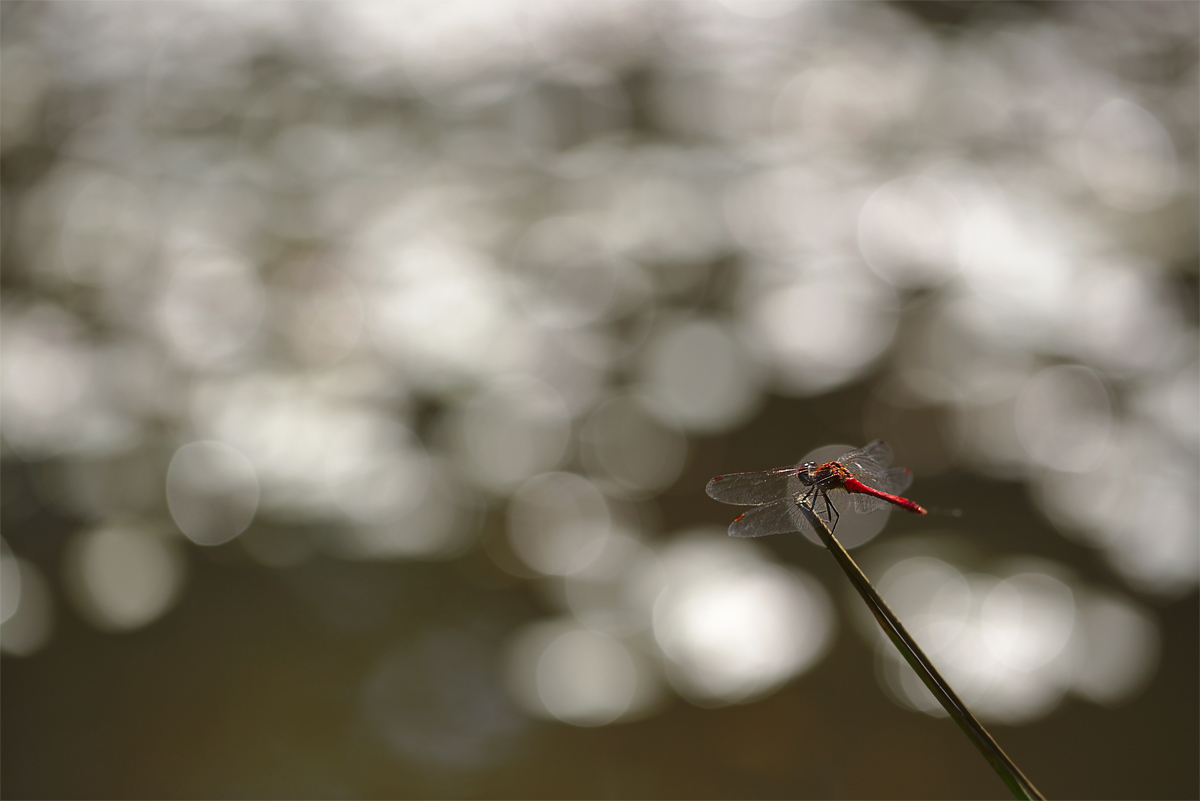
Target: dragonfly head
<point x="806" y="473"/>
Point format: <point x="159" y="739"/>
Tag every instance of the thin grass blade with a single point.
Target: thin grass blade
<point x="1012" y="776"/>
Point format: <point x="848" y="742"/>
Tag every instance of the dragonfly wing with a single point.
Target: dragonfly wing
<point x="751" y="489"/>
<point x="865" y="504"/>
<point x="773" y="518"/>
<point x="896" y="480"/>
<point x="869" y="465"/>
<point x="879" y="452"/>
<point x="874" y="457"/>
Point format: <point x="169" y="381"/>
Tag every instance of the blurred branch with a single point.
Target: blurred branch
<point x="1021" y="787"/>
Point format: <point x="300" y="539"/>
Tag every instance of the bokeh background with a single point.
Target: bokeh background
<point x="364" y="365"/>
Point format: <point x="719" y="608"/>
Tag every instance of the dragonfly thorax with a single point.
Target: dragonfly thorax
<point x="813" y="473"/>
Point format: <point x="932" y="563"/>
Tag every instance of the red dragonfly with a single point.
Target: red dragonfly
<point x="778" y="494"/>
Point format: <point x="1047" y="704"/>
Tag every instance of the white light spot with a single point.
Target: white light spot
<point x="1011" y="645"/>
<point x="32" y="623"/>
<point x="787" y="212"/>
<point x="10" y="582"/>
<point x="1183" y="399"/>
<point x="46" y="380"/>
<point x="312" y="153"/>
<point x="1122" y="649"/>
<point x="1120" y="319"/>
<point x="563" y="273"/>
<point x="1026" y="620"/>
<point x="1127" y="157"/>
<point x="585" y="35"/>
<point x="557" y="670"/>
<point x="210" y="307"/>
<point x="667" y="210"/>
<point x="702" y="374"/>
<point x="571" y="122"/>
<point x="615" y="593"/>
<point x="1085" y="503"/>
<point x="586" y="678"/>
<point x="376" y="469"/>
<point x="643" y="452"/>
<point x="558" y="523"/>
<point x="437" y="700"/>
<point x="931" y="597"/>
<point x="435" y="307"/>
<point x="321" y="313"/>
<point x="441" y="526"/>
<point x="1016" y="263"/>
<point x="462" y="55"/>
<point x="123" y="577"/>
<point x="212" y="492"/>
<point x="513" y="430"/>
<point x="734" y="626"/>
<point x="108" y="232"/>
<point x="762" y="9"/>
<point x="856" y="94"/>
<point x="1064" y="417"/>
<point x="1156" y="548"/>
<point x="990" y="440"/>
<point x="1139" y="504"/>
<point x="821" y="329"/>
<point x="577" y="363"/>
<point x="316" y="455"/>
<point x="907" y="232"/>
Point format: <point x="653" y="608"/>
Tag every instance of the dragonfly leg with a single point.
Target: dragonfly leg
<point x="808" y="498"/>
<point x="829" y="513"/>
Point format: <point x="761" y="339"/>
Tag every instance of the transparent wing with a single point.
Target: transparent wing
<point x="896" y="480"/>
<point x="869" y="465"/>
<point x="865" y="504"/>
<point x="774" y="518"/>
<point x="873" y="457"/>
<point x="879" y="452"/>
<point x="751" y="489"/>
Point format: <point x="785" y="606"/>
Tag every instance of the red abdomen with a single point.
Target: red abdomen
<point x="854" y="485"/>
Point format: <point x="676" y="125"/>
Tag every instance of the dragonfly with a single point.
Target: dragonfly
<point x="777" y="495"/>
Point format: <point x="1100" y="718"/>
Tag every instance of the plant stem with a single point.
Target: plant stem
<point x="1020" y="786"/>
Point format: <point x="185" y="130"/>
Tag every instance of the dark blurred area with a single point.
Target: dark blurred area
<point x="363" y="366"/>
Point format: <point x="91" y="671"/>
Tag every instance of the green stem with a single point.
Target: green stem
<point x="1020" y="786"/>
